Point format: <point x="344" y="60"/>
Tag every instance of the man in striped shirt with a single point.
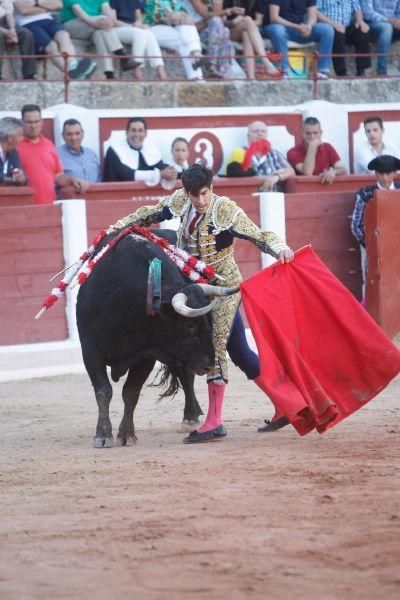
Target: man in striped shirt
<point x="383" y="18"/>
<point x="271" y="166"/>
<point x="346" y="19"/>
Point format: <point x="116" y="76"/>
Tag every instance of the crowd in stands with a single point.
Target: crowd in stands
<point x="201" y="32"/>
<point x="26" y="155"/>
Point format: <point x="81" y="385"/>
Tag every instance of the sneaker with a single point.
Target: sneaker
<point x="322" y="75"/>
<point x="83" y="70"/>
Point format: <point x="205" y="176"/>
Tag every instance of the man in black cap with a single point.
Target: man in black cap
<point x="385" y="167"/>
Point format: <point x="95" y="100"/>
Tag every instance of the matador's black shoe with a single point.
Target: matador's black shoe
<point x="196" y="437"/>
<point x="274" y="425"/>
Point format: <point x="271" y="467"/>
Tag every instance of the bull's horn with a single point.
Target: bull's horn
<point x="218" y="290"/>
<point x="179" y="304"/>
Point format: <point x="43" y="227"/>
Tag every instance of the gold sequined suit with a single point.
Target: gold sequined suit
<point x="212" y="241"/>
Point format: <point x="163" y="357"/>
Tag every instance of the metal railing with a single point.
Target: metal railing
<point x="310" y="56"/>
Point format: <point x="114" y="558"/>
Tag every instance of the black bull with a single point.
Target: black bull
<point x="115" y="330"/>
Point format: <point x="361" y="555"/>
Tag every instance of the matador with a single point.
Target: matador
<point x="209" y="226"/>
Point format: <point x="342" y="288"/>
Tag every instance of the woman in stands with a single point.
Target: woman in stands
<point x="130" y="29"/>
<point x="244" y="29"/>
<point x="215" y="37"/>
<point x="175" y="30"/>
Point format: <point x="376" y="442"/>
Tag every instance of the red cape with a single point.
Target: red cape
<point x="322" y="357"/>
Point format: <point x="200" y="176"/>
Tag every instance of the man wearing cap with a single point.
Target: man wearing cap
<point x="385" y="167"/>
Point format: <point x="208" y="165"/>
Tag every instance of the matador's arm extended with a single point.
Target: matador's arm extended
<point x="243" y="227"/>
<point x="146" y="215"/>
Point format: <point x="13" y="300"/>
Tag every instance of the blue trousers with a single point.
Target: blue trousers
<point x="239" y="350"/>
<point x="321" y="33"/>
<point x="383" y="34"/>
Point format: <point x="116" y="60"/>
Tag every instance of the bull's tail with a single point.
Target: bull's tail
<point x="167" y="379"/>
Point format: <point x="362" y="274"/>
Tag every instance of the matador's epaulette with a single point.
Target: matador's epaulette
<point x="178" y="203"/>
<point x="224" y="213"/>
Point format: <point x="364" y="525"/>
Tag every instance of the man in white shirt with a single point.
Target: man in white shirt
<point x="373" y="146"/>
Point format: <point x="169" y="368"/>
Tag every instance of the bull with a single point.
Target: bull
<point x="115" y="330"/>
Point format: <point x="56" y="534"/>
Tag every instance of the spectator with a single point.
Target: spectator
<point x="315" y="157"/>
<point x="50" y="37"/>
<point x="11" y="35"/>
<point x="256" y="159"/>
<point x="40" y="160"/>
<point x="130" y="29"/>
<point x="180" y="155"/>
<point x="383" y="18"/>
<point x="296" y="20"/>
<point x="214" y="36"/>
<point x="76" y="160"/>
<point x="175" y="30"/>
<point x="95" y="20"/>
<point x="373" y="146"/>
<point x="244" y="29"/>
<point x="346" y="19"/>
<point x="136" y="158"/>
<point x="11" y="172"/>
<point x="385" y="167"/>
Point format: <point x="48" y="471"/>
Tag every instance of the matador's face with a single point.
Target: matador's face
<point x="201" y="200"/>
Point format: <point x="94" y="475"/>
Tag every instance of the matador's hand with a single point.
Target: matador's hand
<point x="286" y="256"/>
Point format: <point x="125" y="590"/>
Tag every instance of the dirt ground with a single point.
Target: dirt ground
<point x="272" y="516"/>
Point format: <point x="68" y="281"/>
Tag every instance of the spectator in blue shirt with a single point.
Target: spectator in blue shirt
<point x="383" y="18"/>
<point x="346" y="19"/>
<point x="78" y="161"/>
<point x="296" y="20"/>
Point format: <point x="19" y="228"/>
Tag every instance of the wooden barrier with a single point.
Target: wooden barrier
<point x="323" y="220"/>
<point x="16" y="195"/>
<point x="382" y="235"/>
<point x="139" y="191"/>
<point x="30" y="251"/>
<point x="341" y="183"/>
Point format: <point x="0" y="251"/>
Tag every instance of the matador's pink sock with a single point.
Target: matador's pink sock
<point x="215" y="401"/>
<point x="278" y="414"/>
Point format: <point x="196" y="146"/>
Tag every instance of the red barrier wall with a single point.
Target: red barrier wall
<point x="126" y="190"/>
<point x="323" y="220"/>
<point x="341" y="183"/>
<point x="30" y="251"/>
<point x="382" y="235"/>
<point x="16" y="195"/>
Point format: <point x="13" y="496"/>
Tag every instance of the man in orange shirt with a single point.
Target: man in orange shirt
<point x="40" y="160"/>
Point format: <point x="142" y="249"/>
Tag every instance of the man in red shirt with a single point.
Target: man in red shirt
<point x="315" y="157"/>
<point x="40" y="160"/>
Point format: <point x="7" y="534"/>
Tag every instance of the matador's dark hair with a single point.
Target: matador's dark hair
<point x="196" y="177"/>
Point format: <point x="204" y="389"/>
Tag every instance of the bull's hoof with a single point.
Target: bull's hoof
<point x="103" y="442"/>
<point x="126" y="440"/>
<point x="189" y="425"/>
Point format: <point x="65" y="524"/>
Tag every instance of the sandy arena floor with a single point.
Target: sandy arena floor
<point x="269" y="516"/>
